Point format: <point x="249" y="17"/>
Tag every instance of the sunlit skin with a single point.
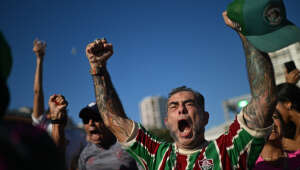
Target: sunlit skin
<point x="182" y="107"/>
<point x="276" y="133"/>
<point x="272" y="150"/>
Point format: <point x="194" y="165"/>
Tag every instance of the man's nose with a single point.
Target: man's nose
<point x="182" y="109"/>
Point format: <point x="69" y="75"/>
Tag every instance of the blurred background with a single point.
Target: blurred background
<point x="158" y="45"/>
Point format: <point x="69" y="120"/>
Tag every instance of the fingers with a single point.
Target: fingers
<point x="293" y="76"/>
<point x="224" y="14"/>
<point x="39" y="47"/>
<point x="58" y="99"/>
<point x="99" y="51"/>
<point x="52" y="98"/>
<point x="35" y="41"/>
<point x="234" y="25"/>
<point x="39" y="43"/>
<point x="295" y="72"/>
<point x="226" y="19"/>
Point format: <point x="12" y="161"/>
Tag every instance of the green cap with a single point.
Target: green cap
<point x="264" y="23"/>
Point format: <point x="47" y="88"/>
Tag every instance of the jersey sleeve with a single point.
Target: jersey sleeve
<point x="144" y="147"/>
<point x="240" y="146"/>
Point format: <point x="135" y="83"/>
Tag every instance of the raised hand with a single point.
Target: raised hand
<point x="39" y="48"/>
<point x="58" y="105"/>
<point x="293" y="76"/>
<point x="259" y="111"/>
<point x="230" y="23"/>
<point x="98" y="52"/>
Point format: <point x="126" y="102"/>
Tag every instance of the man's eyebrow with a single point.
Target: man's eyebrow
<point x="189" y="100"/>
<point x="172" y="103"/>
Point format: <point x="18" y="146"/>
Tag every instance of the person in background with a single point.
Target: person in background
<point x="291" y="140"/>
<point x="282" y="150"/>
<point x="102" y="151"/>
<point x="58" y="116"/>
<point x="289" y="107"/>
<point x="22" y="146"/>
<point x="75" y="138"/>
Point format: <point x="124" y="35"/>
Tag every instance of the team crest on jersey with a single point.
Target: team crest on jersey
<point x="206" y="164"/>
<point x="272" y="15"/>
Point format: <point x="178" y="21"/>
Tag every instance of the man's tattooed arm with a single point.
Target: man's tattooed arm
<point x="108" y="102"/>
<point x="258" y="113"/>
<point x="110" y="106"/>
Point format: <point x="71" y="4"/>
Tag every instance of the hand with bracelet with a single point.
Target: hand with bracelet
<point x="58" y="115"/>
<point x="98" y="52"/>
<point x="57" y="106"/>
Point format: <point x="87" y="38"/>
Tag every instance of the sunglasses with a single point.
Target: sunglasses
<point x="95" y="118"/>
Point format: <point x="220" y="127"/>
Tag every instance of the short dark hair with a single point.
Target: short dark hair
<point x="287" y="92"/>
<point x="199" y="97"/>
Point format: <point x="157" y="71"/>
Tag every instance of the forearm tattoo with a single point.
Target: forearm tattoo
<point x="262" y="84"/>
<point x="110" y="106"/>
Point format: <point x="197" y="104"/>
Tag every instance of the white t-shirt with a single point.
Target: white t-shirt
<point x="75" y="136"/>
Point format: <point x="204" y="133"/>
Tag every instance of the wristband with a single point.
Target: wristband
<point x="57" y="121"/>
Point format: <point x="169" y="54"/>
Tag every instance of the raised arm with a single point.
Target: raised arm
<point x="58" y="114"/>
<point x="108" y="102"/>
<point x="38" y="99"/>
<point x="258" y="113"/>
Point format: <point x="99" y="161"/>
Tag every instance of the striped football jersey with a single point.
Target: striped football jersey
<point x="237" y="148"/>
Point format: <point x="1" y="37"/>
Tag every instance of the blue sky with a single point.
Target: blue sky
<point x="158" y="44"/>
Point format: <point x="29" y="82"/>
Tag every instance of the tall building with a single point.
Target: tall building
<point x="153" y="111"/>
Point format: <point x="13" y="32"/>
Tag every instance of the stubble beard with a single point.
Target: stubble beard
<point x="197" y="135"/>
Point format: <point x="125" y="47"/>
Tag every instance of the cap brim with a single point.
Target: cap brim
<point x="276" y="40"/>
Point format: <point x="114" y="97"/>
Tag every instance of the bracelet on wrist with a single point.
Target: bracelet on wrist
<point x="57" y="121"/>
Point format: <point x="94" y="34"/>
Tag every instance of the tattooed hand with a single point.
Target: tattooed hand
<point x="98" y="52"/>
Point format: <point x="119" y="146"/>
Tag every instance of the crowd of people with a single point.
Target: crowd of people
<point x="264" y="135"/>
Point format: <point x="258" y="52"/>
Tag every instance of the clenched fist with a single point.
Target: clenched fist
<point x="58" y="106"/>
<point x="98" y="52"/>
<point x="39" y="48"/>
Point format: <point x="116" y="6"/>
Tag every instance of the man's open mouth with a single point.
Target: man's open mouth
<point x="184" y="128"/>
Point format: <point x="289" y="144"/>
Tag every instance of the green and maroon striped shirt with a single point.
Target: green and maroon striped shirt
<point x="237" y="148"/>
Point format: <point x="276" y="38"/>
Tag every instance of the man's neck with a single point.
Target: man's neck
<point x="105" y="145"/>
<point x="188" y="150"/>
